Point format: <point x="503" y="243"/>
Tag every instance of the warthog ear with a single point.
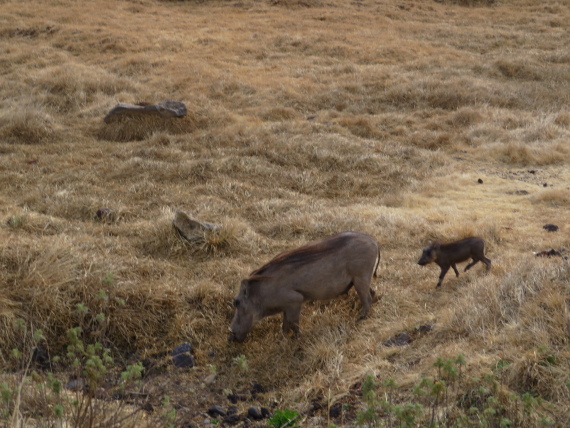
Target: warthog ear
<point x="436" y="245"/>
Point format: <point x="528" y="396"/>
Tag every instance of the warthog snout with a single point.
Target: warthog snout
<point x="232" y="337"/>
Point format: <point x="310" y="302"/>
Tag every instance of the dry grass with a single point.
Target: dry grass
<point x="305" y="118"/>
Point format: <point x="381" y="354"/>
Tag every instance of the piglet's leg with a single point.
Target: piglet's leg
<point x="470" y="265"/>
<point x="444" y="270"/>
<point x="455" y="269"/>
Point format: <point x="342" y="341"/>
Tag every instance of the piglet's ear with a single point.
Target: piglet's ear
<point x="244" y="288"/>
<point x="436" y="246"/>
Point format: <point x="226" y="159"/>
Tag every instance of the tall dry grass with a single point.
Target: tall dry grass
<point x="305" y="118"/>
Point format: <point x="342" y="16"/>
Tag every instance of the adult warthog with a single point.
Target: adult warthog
<point x="446" y="255"/>
<point x="320" y="270"/>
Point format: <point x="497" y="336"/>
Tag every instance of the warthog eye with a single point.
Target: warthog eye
<point x="236" y="303"/>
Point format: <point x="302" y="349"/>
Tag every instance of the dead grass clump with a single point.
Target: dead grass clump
<point x="432" y="140"/>
<point x="41" y="287"/>
<point x="513" y="69"/>
<point x="469" y="3"/>
<point x="541" y="371"/>
<point x="140" y="128"/>
<point x="557" y="198"/>
<point x="517" y="153"/>
<point x="163" y="241"/>
<point x="563" y="119"/>
<point x="505" y="303"/>
<point x="360" y="126"/>
<point x="525" y="154"/>
<point x="27" y="125"/>
<point x="71" y="87"/>
<point x="465" y="116"/>
<point x="229" y="239"/>
<point x="277" y="114"/>
<point x="35" y="223"/>
<point x="313" y="225"/>
<point x="293" y="4"/>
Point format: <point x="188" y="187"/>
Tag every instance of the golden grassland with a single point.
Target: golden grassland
<point x="305" y="118"/>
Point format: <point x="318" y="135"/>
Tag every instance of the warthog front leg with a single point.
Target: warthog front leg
<point x="292" y="313"/>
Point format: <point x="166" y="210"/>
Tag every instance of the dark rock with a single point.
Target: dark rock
<point x="254" y="413"/>
<point x="232" y="419"/>
<point x="532" y="171"/>
<point x="215" y="411"/>
<point x="398" y="340"/>
<point x="550" y="227"/>
<point x="104" y="214"/>
<point x="40" y="356"/>
<point x="335" y="411"/>
<point x="182" y="348"/>
<point x="257" y="389"/>
<point x="182" y="357"/>
<point x="183" y="361"/>
<point x="265" y="413"/>
<point x="551" y="253"/>
<point x="147" y="407"/>
<point x="424" y="328"/>
<point x="76" y="385"/>
<point x="480" y="181"/>
<point x="545" y="185"/>
<point x="234" y="398"/>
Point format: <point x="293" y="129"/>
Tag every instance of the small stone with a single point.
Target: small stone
<point x="424" y="328"/>
<point x="335" y="410"/>
<point x="104" y="214"/>
<point x="480" y="181"/>
<point x="181" y="356"/>
<point x="550" y="227"/>
<point x="41" y="357"/>
<point x="76" y="385"/>
<point x="210" y="379"/>
<point x="180" y="349"/>
<point x="265" y="413"/>
<point x="215" y="411"/>
<point x="254" y="413"/>
<point x="232" y="419"/>
<point x="257" y="389"/>
<point x="398" y="340"/>
<point x="532" y="171"/>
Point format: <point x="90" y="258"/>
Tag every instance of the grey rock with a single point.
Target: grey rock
<point x="189" y="229"/>
<point x="165" y="109"/>
<point x="215" y="411"/>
